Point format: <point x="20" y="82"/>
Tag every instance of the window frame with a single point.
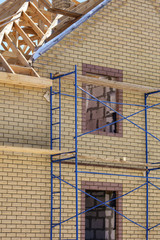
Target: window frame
<point x="104" y="186"/>
<point x="110" y="72"/>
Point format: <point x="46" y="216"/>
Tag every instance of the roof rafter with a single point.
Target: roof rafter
<point x="27" y="27"/>
<point x="20" y="34"/>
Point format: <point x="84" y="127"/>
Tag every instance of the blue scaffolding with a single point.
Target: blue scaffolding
<point x="58" y="159"/>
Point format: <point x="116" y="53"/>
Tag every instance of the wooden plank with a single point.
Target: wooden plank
<point x="25" y="81"/>
<point x="16" y="51"/>
<point x="120" y="161"/>
<point x="4" y="46"/>
<point x="65" y="12"/>
<point x="33" y="38"/>
<point x="9" y="7"/>
<point x="28" y="51"/>
<point x="57" y="30"/>
<point x="24" y="36"/>
<point x="113" y="84"/>
<point x="107" y="165"/>
<point x="66" y="22"/>
<point x="10" y="55"/>
<point x="40" y="15"/>
<point x="35" y="2"/>
<point x="12" y="20"/>
<point x="32" y="24"/>
<point x="12" y="149"/>
<point x="24" y="48"/>
<point x="49" y="31"/>
<point x="7" y="18"/>
<point x="24" y="70"/>
<point x="34" y="73"/>
<point x="15" y="37"/>
<point x="47" y="14"/>
<point x="9" y="26"/>
<point x="46" y="3"/>
<point x="22" y="80"/>
<point x="21" y="70"/>
<point x="29" y="30"/>
<point x="5" y="64"/>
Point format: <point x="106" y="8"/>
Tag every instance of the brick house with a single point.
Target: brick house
<point x="119" y="43"/>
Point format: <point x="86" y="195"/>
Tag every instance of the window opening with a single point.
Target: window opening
<point x="100" y="223"/>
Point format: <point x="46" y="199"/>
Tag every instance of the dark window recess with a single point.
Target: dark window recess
<point x="100" y="223"/>
<point x="98" y="115"/>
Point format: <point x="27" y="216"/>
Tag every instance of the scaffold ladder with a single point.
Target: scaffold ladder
<point x="55" y="208"/>
<point x="56" y="160"/>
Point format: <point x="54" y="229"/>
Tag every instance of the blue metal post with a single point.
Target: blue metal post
<point x="76" y="153"/>
<point x="147" y="172"/>
<point x="51" y="146"/>
<point x="60" y="167"/>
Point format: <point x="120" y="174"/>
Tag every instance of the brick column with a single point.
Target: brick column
<point x="61" y="3"/>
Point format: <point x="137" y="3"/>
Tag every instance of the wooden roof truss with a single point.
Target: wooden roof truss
<point x="27" y="28"/>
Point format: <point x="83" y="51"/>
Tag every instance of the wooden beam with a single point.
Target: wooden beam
<point x="60" y="28"/>
<point x="34" y="73"/>
<point x="9" y="26"/>
<point x="33" y="38"/>
<point x="39" y="14"/>
<point x="5" y="64"/>
<point x="65" y="12"/>
<point x="10" y="55"/>
<point x="16" y="51"/>
<point x="12" y="20"/>
<point x="49" y="31"/>
<point x="87" y="164"/>
<point x="7" y="18"/>
<point x="12" y="149"/>
<point x="4" y="46"/>
<point x="46" y="3"/>
<point x="66" y="22"/>
<point x="25" y="81"/>
<point x="22" y="80"/>
<point x="32" y="24"/>
<point x="24" y="48"/>
<point x="113" y="84"/>
<point x="24" y="70"/>
<point x="28" y="51"/>
<point x="47" y="14"/>
<point x="120" y="161"/>
<point x="29" y="30"/>
<point x="24" y="36"/>
<point x="15" y="37"/>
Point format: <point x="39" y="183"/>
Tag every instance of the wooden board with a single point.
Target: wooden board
<point x="24" y="80"/>
<point x="39" y="14"/>
<point x="26" y="39"/>
<point x="5" y="64"/>
<point x="32" y="24"/>
<point x="65" y="12"/>
<point x="114" y="84"/>
<point x="28" y="150"/>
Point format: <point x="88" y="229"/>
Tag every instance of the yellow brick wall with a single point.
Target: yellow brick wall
<point x="124" y="35"/>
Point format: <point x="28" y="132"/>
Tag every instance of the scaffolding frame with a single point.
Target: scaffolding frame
<point x="75" y="156"/>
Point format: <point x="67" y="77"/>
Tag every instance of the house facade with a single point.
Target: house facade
<point x="119" y="43"/>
